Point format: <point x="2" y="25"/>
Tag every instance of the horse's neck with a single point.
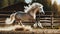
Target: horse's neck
<point x="33" y="14"/>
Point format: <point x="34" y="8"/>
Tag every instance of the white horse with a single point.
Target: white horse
<point x="30" y="13"/>
<point x="27" y="8"/>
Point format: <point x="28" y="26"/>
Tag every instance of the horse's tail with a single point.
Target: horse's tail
<point x="11" y="19"/>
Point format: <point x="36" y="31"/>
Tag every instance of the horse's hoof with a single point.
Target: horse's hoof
<point x="34" y="26"/>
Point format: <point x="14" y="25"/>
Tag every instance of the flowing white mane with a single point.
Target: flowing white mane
<point x="27" y="8"/>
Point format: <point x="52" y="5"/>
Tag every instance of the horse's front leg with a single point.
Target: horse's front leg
<point x="39" y="24"/>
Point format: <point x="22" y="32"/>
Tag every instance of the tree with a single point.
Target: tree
<point x="49" y="4"/>
<point x="4" y="3"/>
<point x="46" y="3"/>
<point x="0" y="3"/>
<point x="58" y="9"/>
<point x="55" y="7"/>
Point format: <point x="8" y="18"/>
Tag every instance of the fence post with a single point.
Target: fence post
<point x="52" y="21"/>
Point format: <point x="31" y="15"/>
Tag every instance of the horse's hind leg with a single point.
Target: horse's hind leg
<point x="35" y="25"/>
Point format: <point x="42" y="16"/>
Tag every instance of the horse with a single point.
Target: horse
<point x="30" y="13"/>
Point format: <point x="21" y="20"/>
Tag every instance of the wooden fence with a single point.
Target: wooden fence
<point x="50" y="20"/>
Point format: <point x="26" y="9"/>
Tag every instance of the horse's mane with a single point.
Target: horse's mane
<point x="28" y="8"/>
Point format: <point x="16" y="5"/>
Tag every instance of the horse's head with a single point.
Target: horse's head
<point x="40" y="6"/>
<point x="34" y="6"/>
<point x="41" y="9"/>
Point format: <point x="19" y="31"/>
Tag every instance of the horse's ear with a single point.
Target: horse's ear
<point x="42" y="5"/>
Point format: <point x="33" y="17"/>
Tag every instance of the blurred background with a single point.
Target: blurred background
<point x="49" y="5"/>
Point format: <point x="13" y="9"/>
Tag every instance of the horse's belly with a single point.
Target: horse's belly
<point x="24" y="17"/>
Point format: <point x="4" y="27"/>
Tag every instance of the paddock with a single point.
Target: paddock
<point x="50" y="22"/>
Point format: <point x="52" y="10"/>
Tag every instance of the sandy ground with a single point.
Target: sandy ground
<point x="11" y="28"/>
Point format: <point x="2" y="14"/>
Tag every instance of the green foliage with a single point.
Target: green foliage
<point x="5" y="3"/>
<point x="11" y="2"/>
<point x="46" y="3"/>
<point x="55" y="7"/>
<point x="0" y="3"/>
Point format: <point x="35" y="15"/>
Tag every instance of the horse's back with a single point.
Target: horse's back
<point x="20" y="13"/>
